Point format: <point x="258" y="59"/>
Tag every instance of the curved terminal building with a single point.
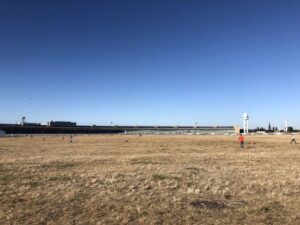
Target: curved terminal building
<point x="64" y="127"/>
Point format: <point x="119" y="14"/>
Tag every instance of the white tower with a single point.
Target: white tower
<point x="286" y="126"/>
<point x="246" y="124"/>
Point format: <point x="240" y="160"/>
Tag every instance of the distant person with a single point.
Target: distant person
<point x="293" y="139"/>
<point x="71" y="139"/>
<point x="241" y="139"/>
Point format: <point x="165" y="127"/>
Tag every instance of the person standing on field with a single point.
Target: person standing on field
<point x="241" y="139"/>
<point x="293" y="139"/>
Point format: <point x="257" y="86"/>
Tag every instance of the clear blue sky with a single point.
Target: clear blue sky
<point x="150" y="62"/>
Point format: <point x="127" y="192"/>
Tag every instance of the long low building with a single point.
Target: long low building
<point x="39" y="129"/>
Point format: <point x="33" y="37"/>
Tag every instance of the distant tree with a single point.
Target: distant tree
<point x="269" y="129"/>
<point x="290" y="129"/>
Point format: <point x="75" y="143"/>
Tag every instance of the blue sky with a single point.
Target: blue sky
<point x="150" y="62"/>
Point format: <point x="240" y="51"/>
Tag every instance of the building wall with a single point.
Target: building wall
<point x="237" y="129"/>
<point x="194" y="131"/>
<point x="18" y="129"/>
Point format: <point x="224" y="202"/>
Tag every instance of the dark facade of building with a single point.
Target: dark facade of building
<point x="61" y="124"/>
<point x="71" y="128"/>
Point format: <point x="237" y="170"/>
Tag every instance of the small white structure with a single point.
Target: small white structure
<point x="246" y="124"/>
<point x="286" y="126"/>
<point x="237" y="129"/>
<point x="2" y="132"/>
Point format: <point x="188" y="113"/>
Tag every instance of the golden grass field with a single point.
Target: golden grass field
<point x="127" y="179"/>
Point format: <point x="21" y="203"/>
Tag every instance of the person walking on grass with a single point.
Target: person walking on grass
<point x="293" y="139"/>
<point x="241" y="139"/>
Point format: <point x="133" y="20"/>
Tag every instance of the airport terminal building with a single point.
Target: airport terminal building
<point x="191" y="130"/>
<point x="63" y="127"/>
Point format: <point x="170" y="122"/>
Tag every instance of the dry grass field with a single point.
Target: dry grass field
<point x="119" y="179"/>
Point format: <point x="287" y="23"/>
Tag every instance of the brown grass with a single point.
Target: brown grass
<point x="114" y="179"/>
